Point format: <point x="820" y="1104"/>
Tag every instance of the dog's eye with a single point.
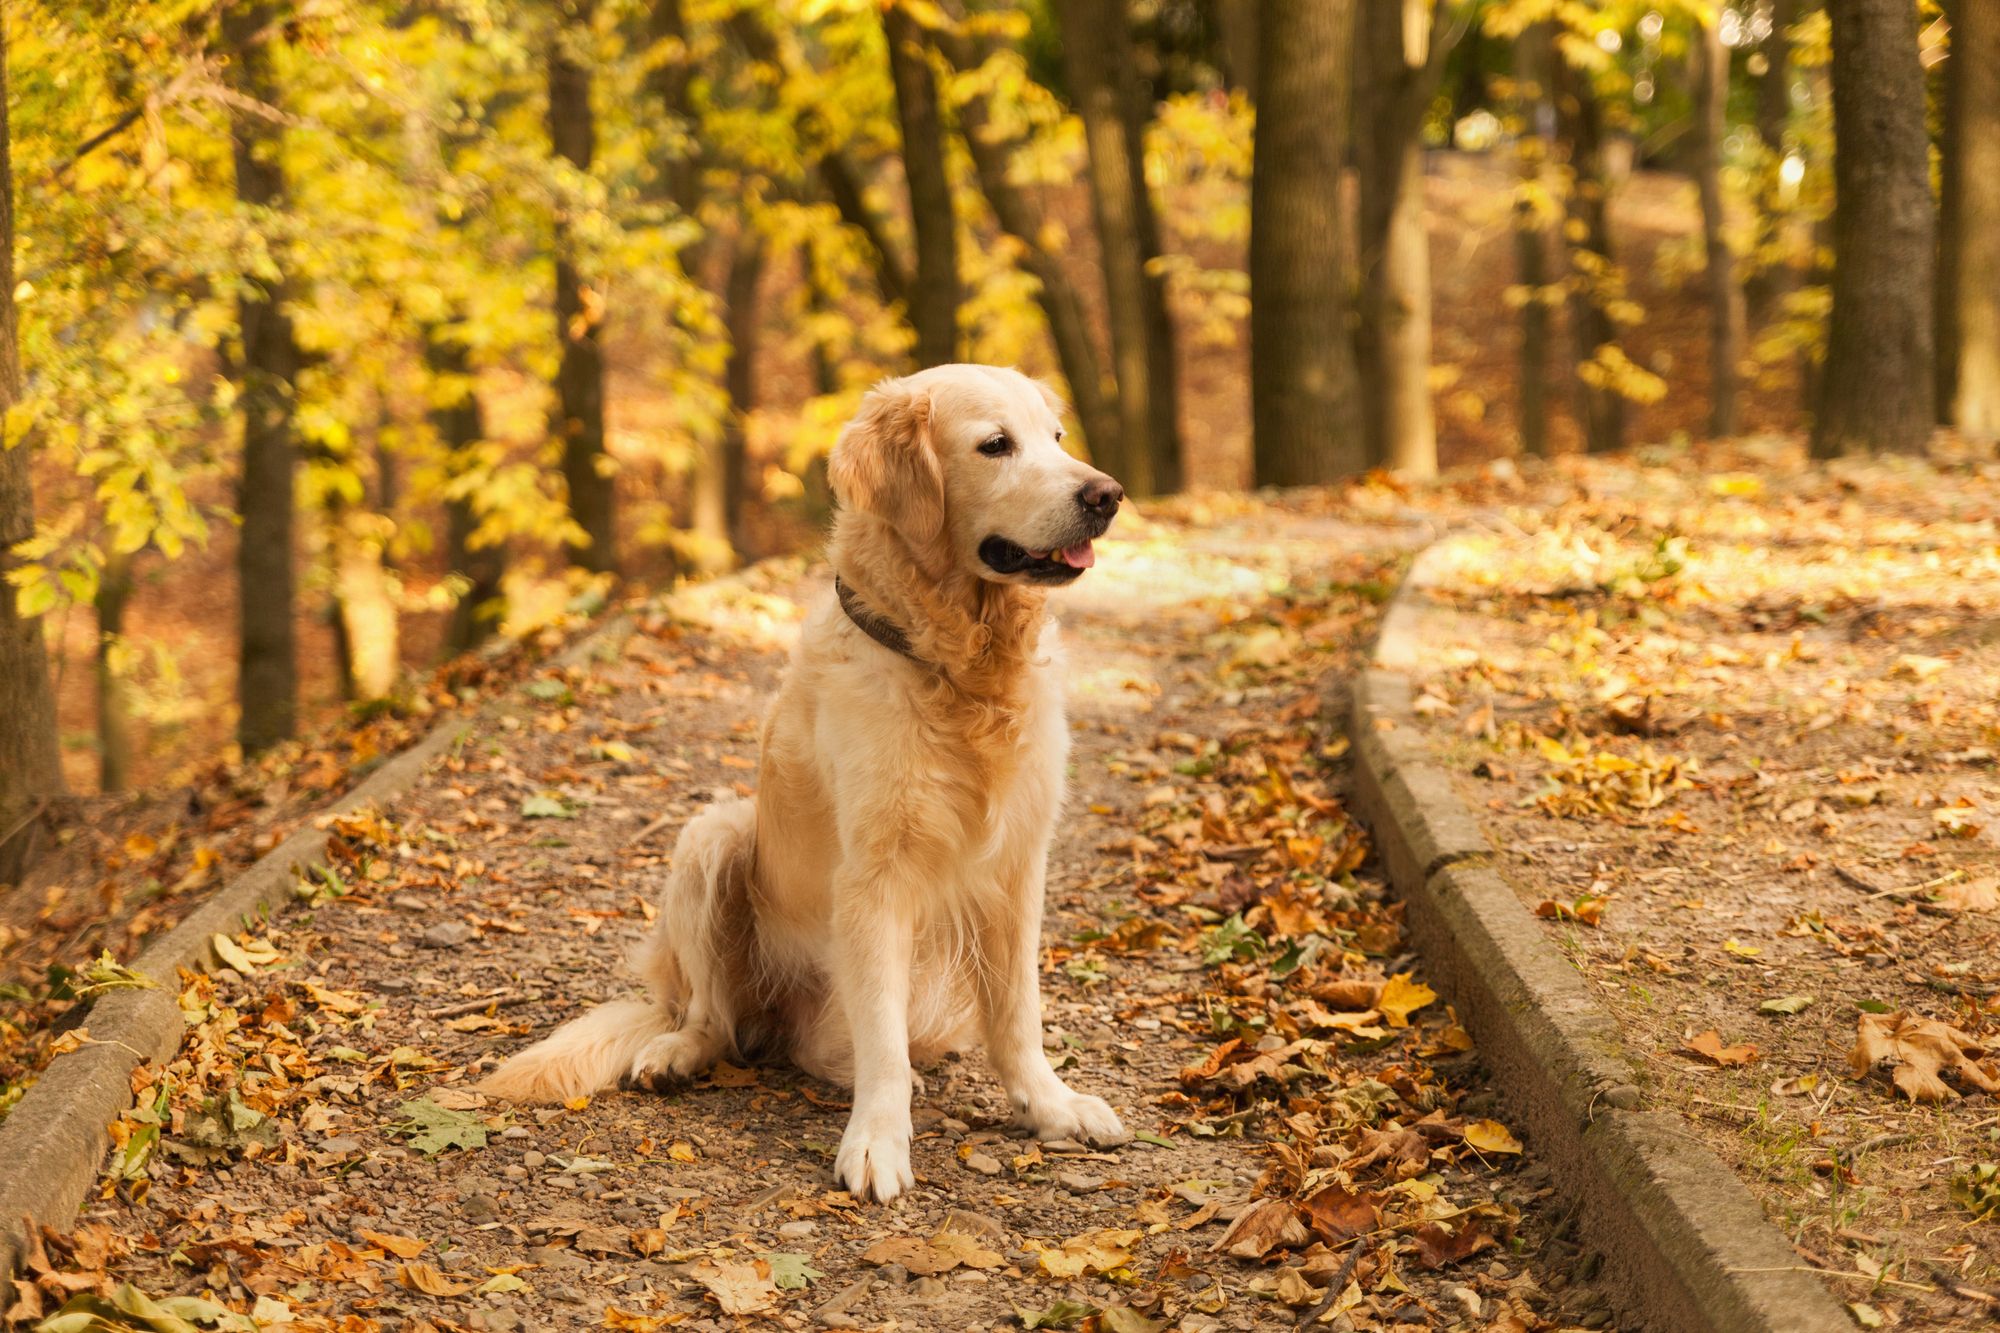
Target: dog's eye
<point x="996" y="446"/>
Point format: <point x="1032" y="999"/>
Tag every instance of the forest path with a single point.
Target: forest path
<point x="1203" y="885"/>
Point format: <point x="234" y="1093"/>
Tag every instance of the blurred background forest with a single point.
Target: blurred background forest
<point x="341" y="335"/>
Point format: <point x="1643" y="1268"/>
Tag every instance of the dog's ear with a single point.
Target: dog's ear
<point x="1050" y="396"/>
<point x="885" y="463"/>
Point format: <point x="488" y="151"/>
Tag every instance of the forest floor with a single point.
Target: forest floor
<point x="1733" y="723"/>
<point x="1316" y="1141"/>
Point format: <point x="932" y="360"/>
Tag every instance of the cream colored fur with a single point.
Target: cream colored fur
<point x="879" y="902"/>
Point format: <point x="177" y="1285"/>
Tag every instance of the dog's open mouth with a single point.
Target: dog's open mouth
<point x="1059" y="565"/>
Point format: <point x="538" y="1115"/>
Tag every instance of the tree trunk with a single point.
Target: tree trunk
<point x="1532" y="55"/>
<point x="364" y="602"/>
<point x="579" y="310"/>
<point x="30" y="759"/>
<point x="1969" y="249"/>
<point x="1396" y="74"/>
<point x="267" y="371"/>
<point x="1727" y="320"/>
<point x="1580" y="126"/>
<point x="934" y="297"/>
<point x="1305" y="408"/>
<point x="461" y="429"/>
<point x="1097" y="59"/>
<point x="1019" y="217"/>
<point x="114" y="695"/>
<point x="719" y="485"/>
<point x="671" y="83"/>
<point x="1879" y="389"/>
<point x="1236" y="36"/>
<point x="1766" y="286"/>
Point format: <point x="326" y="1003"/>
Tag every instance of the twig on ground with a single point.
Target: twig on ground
<point x="1879" y="1141"/>
<point x="1835" y="1272"/>
<point x="648" y="831"/>
<point x="1963" y="1290"/>
<point x="1339" y="1282"/>
<point x="503" y="1000"/>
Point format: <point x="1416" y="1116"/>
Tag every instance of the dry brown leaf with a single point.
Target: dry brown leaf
<point x="739" y="1288"/>
<point x="1972" y="895"/>
<point x="1337" y="1213"/>
<point x="1266" y="1225"/>
<point x="1092" y="1252"/>
<point x="431" y="1280"/>
<point x="403" y="1247"/>
<point x="1919" y="1053"/>
<point x="1708" y="1046"/>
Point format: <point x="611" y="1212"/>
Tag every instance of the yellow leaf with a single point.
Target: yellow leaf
<point x="431" y="1280"/>
<point x="1491" y="1136"/>
<point x="403" y="1247"/>
<point x="1740" y="949"/>
<point x="682" y="1152"/>
<point x="1402" y="997"/>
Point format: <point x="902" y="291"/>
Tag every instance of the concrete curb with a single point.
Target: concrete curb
<point x="57" y="1134"/>
<point x="1686" y="1245"/>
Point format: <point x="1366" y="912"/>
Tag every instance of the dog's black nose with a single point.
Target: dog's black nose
<point x="1101" y="496"/>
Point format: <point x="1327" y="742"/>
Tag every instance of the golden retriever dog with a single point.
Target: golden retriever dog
<point x="879" y="902"/>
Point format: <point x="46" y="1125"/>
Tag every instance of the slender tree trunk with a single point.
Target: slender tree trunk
<point x="739" y="377"/>
<point x="1767" y="285"/>
<point x="1396" y="74"/>
<point x="579" y="308"/>
<point x="1969" y="249"/>
<point x="671" y="83"/>
<point x="1532" y="55"/>
<point x="934" y="297"/>
<point x="1236" y="36"/>
<point x="461" y="430"/>
<point x="1022" y="220"/>
<point x="364" y="602"/>
<point x="1593" y="266"/>
<point x="1879" y="389"/>
<point x="30" y="759"/>
<point x="268" y="371"/>
<point x="114" y="695"/>
<point x="1097" y="57"/>
<point x="1305" y="406"/>
<point x="1727" y="320"/>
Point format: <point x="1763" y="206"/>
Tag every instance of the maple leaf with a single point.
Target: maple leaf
<point x="1919" y="1053"/>
<point x="1402" y="997"/>
<point x="432" y="1128"/>
<point x="1708" y="1047"/>
<point x="739" y="1288"/>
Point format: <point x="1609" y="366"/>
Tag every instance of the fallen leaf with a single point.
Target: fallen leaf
<point x="403" y="1247"/>
<point x="1266" y="1225"/>
<point x="1491" y="1136"/>
<point x="1786" y="1004"/>
<point x="1707" y="1046"/>
<point x="1402" y="997"/>
<point x="1337" y="1213"/>
<point x="1972" y="895"/>
<point x="1918" y="1053"/>
<point x="431" y="1280"/>
<point x="1092" y="1252"/>
<point x="739" y="1288"/>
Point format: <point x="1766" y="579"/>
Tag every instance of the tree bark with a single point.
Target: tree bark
<point x="1727" y="319"/>
<point x="461" y="429"/>
<point x="30" y="758"/>
<point x="1767" y="285"/>
<point x="586" y="466"/>
<point x="114" y="695"/>
<point x="720" y="485"/>
<point x="1305" y="407"/>
<point x="1969" y="240"/>
<point x="1879" y="390"/>
<point x="1018" y="216"/>
<point x="934" y="296"/>
<point x="1580" y="127"/>
<point x="1098" y="62"/>
<point x="267" y="371"/>
<point x="1399" y="63"/>
<point x="1533" y="53"/>
<point x="1236" y="36"/>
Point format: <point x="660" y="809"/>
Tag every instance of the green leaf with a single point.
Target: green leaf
<point x="1146" y="1136"/>
<point x="550" y="691"/>
<point x="432" y="1128"/>
<point x="1874" y="1006"/>
<point x="546" y="807"/>
<point x="1063" y="1314"/>
<point x="1785" y="1004"/>
<point x="791" y="1272"/>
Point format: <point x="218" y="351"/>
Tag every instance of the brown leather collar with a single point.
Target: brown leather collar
<point x="876" y="627"/>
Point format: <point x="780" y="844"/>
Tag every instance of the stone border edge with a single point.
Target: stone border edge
<point x="54" y="1140"/>
<point x="1686" y="1244"/>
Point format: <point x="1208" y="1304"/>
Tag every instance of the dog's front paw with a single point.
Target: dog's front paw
<point x="666" y="1062"/>
<point x="1076" y="1115"/>
<point x="874" y="1158"/>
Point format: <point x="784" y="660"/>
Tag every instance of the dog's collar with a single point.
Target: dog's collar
<point x="876" y="627"/>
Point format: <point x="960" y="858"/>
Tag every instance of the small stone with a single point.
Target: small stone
<point x="550" y="1256"/>
<point x="342" y="1144"/>
<point x="447" y="935"/>
<point x="410" y="902"/>
<point x="514" y="1132"/>
<point x="894" y="1274"/>
<point x="480" y="1208"/>
<point x="533" y="1160"/>
<point x="927" y="1288"/>
<point x="1078" y="1183"/>
<point x="979" y="1226"/>
<point x="514" y="1172"/>
<point x="984" y="1164"/>
<point x="797" y="1230"/>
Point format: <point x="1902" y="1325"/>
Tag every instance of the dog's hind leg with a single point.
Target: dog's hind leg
<point x="702" y="954"/>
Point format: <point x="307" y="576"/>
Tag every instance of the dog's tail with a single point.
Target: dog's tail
<point x="702" y="901"/>
<point x="585" y="1055"/>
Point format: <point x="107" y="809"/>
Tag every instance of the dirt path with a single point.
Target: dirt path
<point x="1217" y="965"/>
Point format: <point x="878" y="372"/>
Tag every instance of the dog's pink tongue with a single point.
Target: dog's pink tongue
<point x="1078" y="557"/>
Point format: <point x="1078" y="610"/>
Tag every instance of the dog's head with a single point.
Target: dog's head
<point x="967" y="463"/>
